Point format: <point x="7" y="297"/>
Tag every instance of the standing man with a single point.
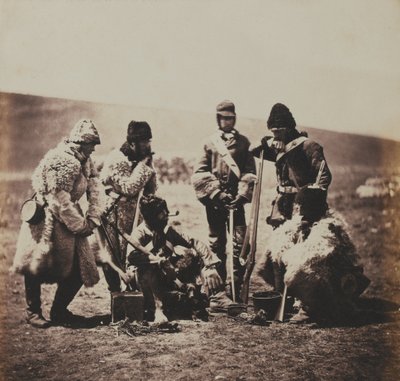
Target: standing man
<point x="223" y="179"/>
<point x="299" y="162"/>
<point x="54" y="248"/>
<point x="126" y="173"/>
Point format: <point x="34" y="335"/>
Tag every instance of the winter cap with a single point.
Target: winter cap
<point x="84" y="132"/>
<point x="138" y="131"/>
<point x="280" y="117"/>
<point x="226" y="108"/>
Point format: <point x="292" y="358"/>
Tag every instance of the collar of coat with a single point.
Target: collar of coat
<point x="227" y="135"/>
<point x="290" y="146"/>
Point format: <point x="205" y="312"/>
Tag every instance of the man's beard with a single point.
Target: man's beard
<point x="142" y="153"/>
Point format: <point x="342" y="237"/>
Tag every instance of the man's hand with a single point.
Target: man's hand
<point x="278" y="145"/>
<point x="147" y="160"/>
<point x="129" y="275"/>
<point x="239" y="200"/>
<point x="212" y="279"/>
<point x="223" y="198"/>
<point x="88" y="228"/>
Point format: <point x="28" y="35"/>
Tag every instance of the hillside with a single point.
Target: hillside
<point x="30" y="125"/>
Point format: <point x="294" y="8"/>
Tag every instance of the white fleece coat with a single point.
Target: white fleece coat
<point x="48" y="249"/>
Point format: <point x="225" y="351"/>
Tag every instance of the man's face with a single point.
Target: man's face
<point x="143" y="147"/>
<point x="226" y="123"/>
<point x="280" y="134"/>
<point x="162" y="219"/>
<point x="87" y="149"/>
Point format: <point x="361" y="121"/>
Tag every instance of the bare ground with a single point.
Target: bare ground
<point x="223" y="349"/>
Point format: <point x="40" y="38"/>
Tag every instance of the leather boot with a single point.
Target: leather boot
<point x="32" y="295"/>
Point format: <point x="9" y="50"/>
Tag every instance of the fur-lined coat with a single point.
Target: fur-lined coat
<point x="125" y="177"/>
<point x="212" y="174"/>
<point x="321" y="266"/>
<point x="48" y="249"/>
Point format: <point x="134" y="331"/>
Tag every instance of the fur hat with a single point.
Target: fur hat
<point x="226" y="108"/>
<point x="84" y="131"/>
<point x="151" y="206"/>
<point x="280" y="117"/>
<point x="138" y="131"/>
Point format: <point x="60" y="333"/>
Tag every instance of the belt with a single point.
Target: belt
<point x="286" y="189"/>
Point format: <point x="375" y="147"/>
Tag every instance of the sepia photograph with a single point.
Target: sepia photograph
<point x="200" y="190"/>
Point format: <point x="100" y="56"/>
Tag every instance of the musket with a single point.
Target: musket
<point x="251" y="234"/>
<point x="231" y="269"/>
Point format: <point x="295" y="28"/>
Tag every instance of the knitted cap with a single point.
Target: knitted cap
<point x="226" y="108"/>
<point x="84" y="132"/>
<point x="138" y="131"/>
<point x="280" y="117"/>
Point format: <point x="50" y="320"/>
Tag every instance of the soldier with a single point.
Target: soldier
<point x="223" y="179"/>
<point x="299" y="162"/>
<point x="160" y="268"/>
<point x="126" y="173"/>
<point x="54" y="249"/>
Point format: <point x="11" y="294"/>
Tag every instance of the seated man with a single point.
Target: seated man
<point x="317" y="259"/>
<point x="162" y="269"/>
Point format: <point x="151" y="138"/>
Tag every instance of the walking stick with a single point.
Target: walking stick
<point x="251" y="235"/>
<point x="231" y="254"/>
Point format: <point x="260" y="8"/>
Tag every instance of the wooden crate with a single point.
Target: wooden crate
<point x="127" y="304"/>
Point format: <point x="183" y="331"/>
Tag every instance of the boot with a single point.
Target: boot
<point x="219" y="302"/>
<point x="34" y="315"/>
<point x="36" y="319"/>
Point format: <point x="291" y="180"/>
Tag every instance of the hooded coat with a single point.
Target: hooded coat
<point x="49" y="248"/>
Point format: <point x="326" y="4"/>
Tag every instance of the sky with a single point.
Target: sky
<point x="335" y="64"/>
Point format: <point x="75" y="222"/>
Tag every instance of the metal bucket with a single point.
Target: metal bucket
<point x="268" y="301"/>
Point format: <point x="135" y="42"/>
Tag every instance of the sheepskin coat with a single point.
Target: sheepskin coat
<point x="48" y="249"/>
<point x="212" y="173"/>
<point x="126" y="178"/>
<point x="321" y="267"/>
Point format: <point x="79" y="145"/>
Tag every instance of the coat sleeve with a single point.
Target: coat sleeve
<point x="60" y="174"/>
<point x="269" y="152"/>
<point x="128" y="182"/>
<point x="202" y="250"/>
<point x="205" y="183"/>
<point x="315" y="155"/>
<point x="66" y="212"/>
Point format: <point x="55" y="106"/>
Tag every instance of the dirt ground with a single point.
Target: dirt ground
<point x="222" y="349"/>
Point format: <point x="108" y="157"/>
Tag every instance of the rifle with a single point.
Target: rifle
<point x="251" y="234"/>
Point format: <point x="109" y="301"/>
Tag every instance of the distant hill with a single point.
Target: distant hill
<point x="30" y="125"/>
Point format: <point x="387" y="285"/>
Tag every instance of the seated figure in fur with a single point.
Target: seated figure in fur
<point x="171" y="266"/>
<point x="315" y="257"/>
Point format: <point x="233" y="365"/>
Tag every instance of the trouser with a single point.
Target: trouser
<point x="218" y="221"/>
<point x="66" y="291"/>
